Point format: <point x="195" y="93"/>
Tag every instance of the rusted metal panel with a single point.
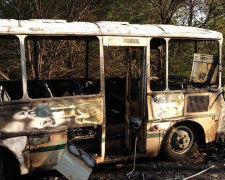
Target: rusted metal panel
<point x="40" y="115"/>
<point x="197" y="103"/>
<point x="100" y="159"/>
<point x="155" y="134"/>
<point x="204" y="69"/>
<point x="158" y="125"/>
<point x="167" y="105"/>
<point x="149" y="106"/>
<point x="157" y="130"/>
<point x="213" y="105"/>
<point x="209" y="125"/>
<point x="153" y="143"/>
<point x="45" y="150"/>
<point x="221" y="123"/>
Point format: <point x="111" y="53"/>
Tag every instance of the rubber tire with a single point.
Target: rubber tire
<point x="9" y="166"/>
<point x="170" y="154"/>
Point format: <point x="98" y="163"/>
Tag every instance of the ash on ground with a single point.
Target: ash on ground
<point x="210" y="156"/>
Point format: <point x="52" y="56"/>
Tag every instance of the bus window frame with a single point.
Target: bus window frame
<point x="18" y="38"/>
<point x="22" y="40"/>
<point x="167" y="90"/>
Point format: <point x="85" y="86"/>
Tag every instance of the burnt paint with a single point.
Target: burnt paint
<point x="38" y="116"/>
<point x="29" y="119"/>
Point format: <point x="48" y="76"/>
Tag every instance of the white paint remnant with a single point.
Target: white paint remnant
<point x="17" y="145"/>
<point x="61" y="27"/>
<point x="73" y="167"/>
<point x="168" y="105"/>
<point x="162" y="125"/>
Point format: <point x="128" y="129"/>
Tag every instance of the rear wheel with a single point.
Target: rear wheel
<point x="1" y="168"/>
<point x="9" y="168"/>
<point x="180" y="143"/>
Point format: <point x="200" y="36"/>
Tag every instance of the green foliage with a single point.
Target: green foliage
<point x="71" y="10"/>
<point x="127" y="10"/>
<point x="208" y="14"/>
<point x="10" y="59"/>
<point x="115" y="61"/>
<point x="62" y="58"/>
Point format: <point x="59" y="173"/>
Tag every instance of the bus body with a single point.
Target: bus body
<point x="102" y="85"/>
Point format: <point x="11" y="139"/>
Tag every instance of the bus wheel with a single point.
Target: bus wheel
<point x="180" y="143"/>
<point x="8" y="167"/>
<point x="1" y="168"/>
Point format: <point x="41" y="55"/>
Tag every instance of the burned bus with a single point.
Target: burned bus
<point x="98" y="92"/>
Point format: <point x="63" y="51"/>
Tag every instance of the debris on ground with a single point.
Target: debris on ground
<point x="207" y="164"/>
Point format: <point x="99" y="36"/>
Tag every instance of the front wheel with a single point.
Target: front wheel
<point x="180" y="143"/>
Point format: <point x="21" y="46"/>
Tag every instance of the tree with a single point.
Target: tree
<point x="200" y="13"/>
<point x="70" y="10"/>
<point x="167" y="9"/>
<point x="208" y="14"/>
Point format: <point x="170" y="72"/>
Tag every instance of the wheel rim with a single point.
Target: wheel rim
<point x="181" y="139"/>
<point x="1" y="167"/>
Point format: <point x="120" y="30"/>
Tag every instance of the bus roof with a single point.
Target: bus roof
<point x="107" y="28"/>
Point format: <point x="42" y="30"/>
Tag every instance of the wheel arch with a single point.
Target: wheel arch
<point x="11" y="156"/>
<point x="197" y="126"/>
<point x="167" y="151"/>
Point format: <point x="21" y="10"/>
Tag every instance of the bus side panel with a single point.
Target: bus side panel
<point x="18" y="146"/>
<point x="45" y="150"/>
<point x="42" y="115"/>
<point x="155" y="135"/>
<point x="161" y="106"/>
<point x="44" y="121"/>
<point x="167" y="105"/>
<point x="205" y="109"/>
<point x="153" y="142"/>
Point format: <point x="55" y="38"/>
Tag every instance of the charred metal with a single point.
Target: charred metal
<point x="114" y="87"/>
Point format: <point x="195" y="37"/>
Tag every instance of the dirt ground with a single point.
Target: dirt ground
<point x="211" y="157"/>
